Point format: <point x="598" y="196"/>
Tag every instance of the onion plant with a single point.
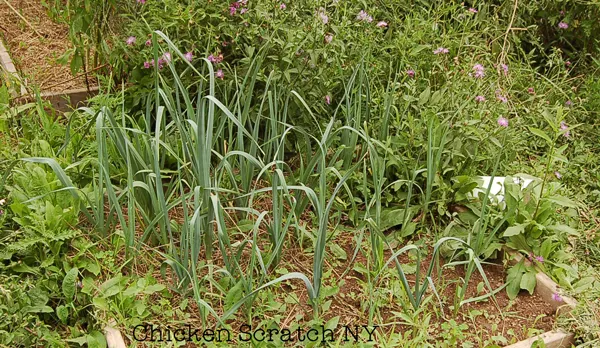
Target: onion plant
<point x="190" y="168"/>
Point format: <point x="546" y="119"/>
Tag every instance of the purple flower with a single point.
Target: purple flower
<point x="130" y="40"/>
<point x="149" y="42"/>
<point x="564" y="127"/>
<point x="382" y="24"/>
<point x="568" y="103"/>
<point x="556" y="297"/>
<point x="232" y="10"/>
<point x="141" y="1"/>
<point x="323" y="16"/>
<point x="568" y="63"/>
<point x="166" y="57"/>
<point x="189" y="56"/>
<point x="219" y="74"/>
<point x="328" y="38"/>
<point x="503" y="122"/>
<point x="147" y="65"/>
<point x="480" y="99"/>
<point x="363" y="16"/>
<point x="218" y="59"/>
<point x="410" y="73"/>
<point x="441" y="50"/>
<point x="563" y="25"/>
<point x="557" y="175"/>
<point x="539" y="259"/>
<point x="478" y="68"/>
<point x="530" y="90"/>
<point x="505" y="68"/>
<point x="472" y="10"/>
<point x="282" y="6"/>
<point x="244" y="10"/>
<point x="327" y="99"/>
<point x="501" y="97"/>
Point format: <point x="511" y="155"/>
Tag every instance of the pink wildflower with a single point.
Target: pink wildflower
<point x="382" y="24"/>
<point x="503" y="122"/>
<point x="130" y="40"/>
<point x="244" y="10"/>
<point x="146" y="65"/>
<point x="505" y="68"/>
<point x="568" y="103"/>
<point x="568" y="63"/>
<point x="323" y="16"/>
<point x="166" y="57"/>
<point x="410" y="73"/>
<point x="556" y="297"/>
<point x="530" y="90"/>
<point x="441" y="50"/>
<point x="219" y="74"/>
<point x="480" y="99"/>
<point x="501" y="97"/>
<point x="564" y="127"/>
<point x="212" y="59"/>
<point x="362" y="15"/>
<point x="327" y="99"/>
<point x="328" y="38"/>
<point x="478" y="68"/>
<point x="149" y="42"/>
<point x="189" y="56"/>
<point x="557" y="175"/>
<point x="539" y="259"/>
<point x="232" y="10"/>
<point x="472" y="10"/>
<point x="282" y="6"/>
<point x="141" y="1"/>
<point x="563" y="25"/>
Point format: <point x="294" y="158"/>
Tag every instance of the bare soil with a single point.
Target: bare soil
<point x="35" y="56"/>
<point x="516" y="319"/>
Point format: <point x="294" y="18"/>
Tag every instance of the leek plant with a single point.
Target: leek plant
<point x="188" y="172"/>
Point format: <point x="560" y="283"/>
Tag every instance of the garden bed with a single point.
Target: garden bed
<point x="481" y="322"/>
<point x="36" y="43"/>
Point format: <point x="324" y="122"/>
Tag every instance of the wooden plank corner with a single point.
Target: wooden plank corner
<point x="552" y="339"/>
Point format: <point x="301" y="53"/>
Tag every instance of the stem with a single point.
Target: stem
<point x="544" y="179"/>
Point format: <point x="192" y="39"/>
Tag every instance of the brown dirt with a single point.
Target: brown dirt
<point x="513" y="319"/>
<point x="36" y="57"/>
<point x="518" y="319"/>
